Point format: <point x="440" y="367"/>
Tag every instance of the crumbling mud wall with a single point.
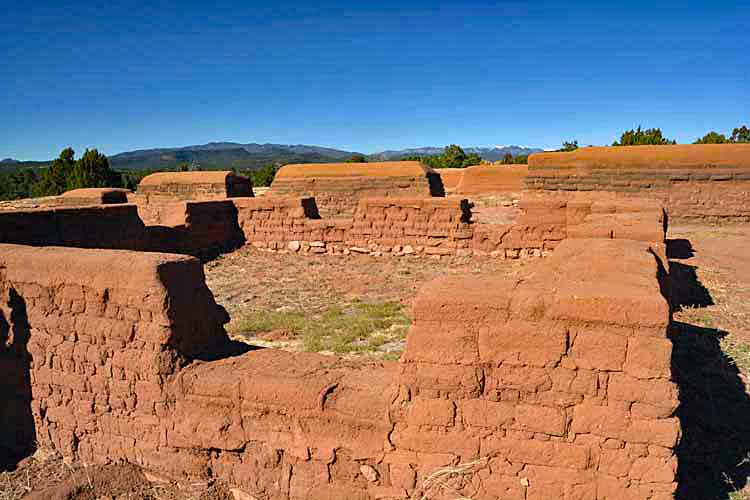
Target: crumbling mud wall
<point x="104" y="226"/>
<point x="203" y="229"/>
<point x="699" y="181"/>
<point x="101" y="330"/>
<point x="160" y="194"/>
<point x="555" y="384"/>
<point x="337" y="187"/>
<point x="200" y="228"/>
<point x="398" y="226"/>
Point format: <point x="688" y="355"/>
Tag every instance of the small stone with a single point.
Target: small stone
<point x="359" y="250"/>
<point x="317" y="244"/>
<point x="369" y="473"/>
<point x="294" y="246"/>
<point x="408" y="250"/>
<point x="317" y="250"/>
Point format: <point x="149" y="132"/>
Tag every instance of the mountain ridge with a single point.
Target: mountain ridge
<point x="243" y="156"/>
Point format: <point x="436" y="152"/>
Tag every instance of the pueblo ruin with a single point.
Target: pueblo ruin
<point x="556" y="383"/>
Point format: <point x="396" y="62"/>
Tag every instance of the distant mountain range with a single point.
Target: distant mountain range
<point x="226" y="155"/>
<point x="490" y="154"/>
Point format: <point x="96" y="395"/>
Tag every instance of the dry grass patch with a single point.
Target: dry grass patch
<point x="357" y="327"/>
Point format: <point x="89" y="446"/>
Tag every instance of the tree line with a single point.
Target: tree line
<point x="655" y="137"/>
<point x="92" y="169"/>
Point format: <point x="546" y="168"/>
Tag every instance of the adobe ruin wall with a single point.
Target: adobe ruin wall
<point x="555" y="384"/>
<point x="702" y="181"/>
<point x="160" y="194"/>
<point x="338" y="187"/>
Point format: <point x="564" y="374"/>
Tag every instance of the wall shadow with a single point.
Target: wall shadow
<point x="437" y="189"/>
<point x="714" y="411"/>
<point x="17" y="428"/>
<point x="686" y="290"/>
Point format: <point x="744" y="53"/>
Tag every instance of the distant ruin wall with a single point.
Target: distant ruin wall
<point x="555" y="384"/>
<point x="442" y="226"/>
<point x="159" y="195"/>
<point x="105" y="226"/>
<point x="338" y="187"/>
<point x="404" y="226"/>
<point x="202" y="229"/>
<point x="710" y="182"/>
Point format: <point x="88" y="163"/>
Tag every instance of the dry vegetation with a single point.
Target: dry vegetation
<point x="355" y="306"/>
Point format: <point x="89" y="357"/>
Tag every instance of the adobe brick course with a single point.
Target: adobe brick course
<point x="553" y="384"/>
<point x="698" y="181"/>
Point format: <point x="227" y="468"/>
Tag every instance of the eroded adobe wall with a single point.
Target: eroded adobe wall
<point x="701" y="181"/>
<point x="161" y="194"/>
<point x="557" y="385"/>
<point x="105" y="226"/>
<point x="548" y="219"/>
<point x="338" y="187"/>
<point x="99" y="332"/>
<point x="401" y="226"/>
<point x="199" y="228"/>
<point x="554" y="384"/>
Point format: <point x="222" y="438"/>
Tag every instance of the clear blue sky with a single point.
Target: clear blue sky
<point x="366" y="76"/>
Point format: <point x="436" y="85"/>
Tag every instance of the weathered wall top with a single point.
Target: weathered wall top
<point x="380" y="169"/>
<point x="196" y="185"/>
<point x="679" y="156"/>
<point x="96" y="195"/>
<point x="492" y="179"/>
<point x="186" y="178"/>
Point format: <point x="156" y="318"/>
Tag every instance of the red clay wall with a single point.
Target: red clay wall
<point x="546" y="220"/>
<point x="105" y="226"/>
<point x="555" y="384"/>
<point x="337" y="187"/>
<point x="482" y="179"/>
<point x="401" y="226"/>
<point x="559" y="383"/>
<point x="704" y="181"/>
<point x="162" y="193"/>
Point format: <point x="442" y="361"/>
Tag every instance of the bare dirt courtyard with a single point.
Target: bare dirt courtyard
<point x="359" y="306"/>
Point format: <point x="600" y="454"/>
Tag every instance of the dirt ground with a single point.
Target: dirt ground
<point x="289" y="301"/>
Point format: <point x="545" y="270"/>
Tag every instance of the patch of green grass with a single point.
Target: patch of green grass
<point x="267" y="321"/>
<point x="358" y="327"/>
<point x="739" y="354"/>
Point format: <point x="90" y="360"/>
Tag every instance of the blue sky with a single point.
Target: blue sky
<point x="366" y="76"/>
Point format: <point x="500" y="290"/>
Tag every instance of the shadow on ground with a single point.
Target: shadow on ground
<point x="714" y="453"/>
<point x="686" y="288"/>
<point x="714" y="411"/>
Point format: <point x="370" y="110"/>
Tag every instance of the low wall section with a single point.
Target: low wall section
<point x="202" y="229"/>
<point x="555" y="384"/>
<point x="704" y="181"/>
<point x="404" y="226"/>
